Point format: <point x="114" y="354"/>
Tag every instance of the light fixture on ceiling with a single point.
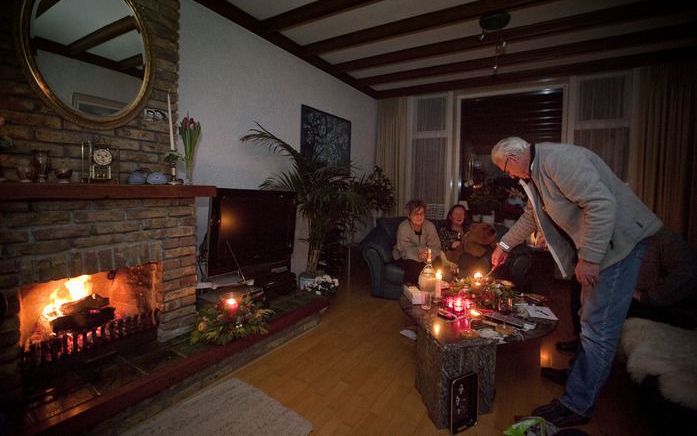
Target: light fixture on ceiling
<point x="495" y="22"/>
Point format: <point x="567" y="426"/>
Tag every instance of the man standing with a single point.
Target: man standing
<point x="590" y="217"/>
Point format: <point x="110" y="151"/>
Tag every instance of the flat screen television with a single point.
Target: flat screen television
<point x="255" y="227"/>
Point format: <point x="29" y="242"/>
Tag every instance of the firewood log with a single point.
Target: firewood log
<point x="91" y="302"/>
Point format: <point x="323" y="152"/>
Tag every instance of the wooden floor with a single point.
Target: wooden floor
<point x="354" y="374"/>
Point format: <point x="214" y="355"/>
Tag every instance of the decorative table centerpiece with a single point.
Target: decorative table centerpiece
<point x="469" y="298"/>
<point x="230" y="319"/>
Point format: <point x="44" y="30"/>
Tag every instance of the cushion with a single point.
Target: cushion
<point x="659" y="349"/>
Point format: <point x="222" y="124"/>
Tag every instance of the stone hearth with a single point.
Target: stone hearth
<point x="50" y="232"/>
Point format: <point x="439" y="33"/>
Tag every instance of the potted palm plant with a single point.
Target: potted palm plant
<point x="327" y="196"/>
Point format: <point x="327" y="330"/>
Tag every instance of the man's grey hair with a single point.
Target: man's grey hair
<point x="511" y="146"/>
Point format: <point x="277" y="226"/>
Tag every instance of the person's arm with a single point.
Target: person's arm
<point x="579" y="181"/>
<point x="520" y="231"/>
<point x="445" y="237"/>
<point x="406" y="247"/>
<point x="448" y="238"/>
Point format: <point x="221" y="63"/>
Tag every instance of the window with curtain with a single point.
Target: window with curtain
<point x="429" y="152"/>
<point x="602" y="119"/>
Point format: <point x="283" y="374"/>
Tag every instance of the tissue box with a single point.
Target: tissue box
<point x="413" y="294"/>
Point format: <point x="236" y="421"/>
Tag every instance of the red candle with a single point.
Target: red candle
<point x="458" y="305"/>
<point x="231" y="305"/>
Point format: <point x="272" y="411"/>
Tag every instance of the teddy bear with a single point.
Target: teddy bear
<point x="473" y="255"/>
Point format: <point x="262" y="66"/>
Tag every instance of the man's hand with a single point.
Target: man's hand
<point x="498" y="257"/>
<point x="540" y="241"/>
<point x="587" y="273"/>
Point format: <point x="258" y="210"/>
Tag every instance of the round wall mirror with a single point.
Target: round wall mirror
<point x="89" y="59"/>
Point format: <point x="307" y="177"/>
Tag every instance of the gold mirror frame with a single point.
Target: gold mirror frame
<point x="37" y="81"/>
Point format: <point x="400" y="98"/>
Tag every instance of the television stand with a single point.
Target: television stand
<point x="240" y="292"/>
<point x="229" y="279"/>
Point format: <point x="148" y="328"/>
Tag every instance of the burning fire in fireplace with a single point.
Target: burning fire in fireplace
<point x="73" y="306"/>
<point x="66" y="317"/>
<point x="77" y="289"/>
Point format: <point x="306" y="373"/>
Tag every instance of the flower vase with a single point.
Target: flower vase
<point x="189" y="172"/>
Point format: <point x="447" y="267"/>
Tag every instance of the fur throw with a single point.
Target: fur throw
<point x="659" y="349"/>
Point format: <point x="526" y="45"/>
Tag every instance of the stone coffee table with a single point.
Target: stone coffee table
<point x="443" y="354"/>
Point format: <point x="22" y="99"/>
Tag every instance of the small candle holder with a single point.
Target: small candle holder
<point x="173" y="172"/>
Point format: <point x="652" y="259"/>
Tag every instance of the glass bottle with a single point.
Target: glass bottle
<point x="427" y="278"/>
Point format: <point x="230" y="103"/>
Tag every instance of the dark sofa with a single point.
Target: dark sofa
<point x="386" y="277"/>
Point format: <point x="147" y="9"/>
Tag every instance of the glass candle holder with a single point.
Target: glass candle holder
<point x="40" y="164"/>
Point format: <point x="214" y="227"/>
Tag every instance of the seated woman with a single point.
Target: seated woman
<point x="452" y="231"/>
<point x="415" y="235"/>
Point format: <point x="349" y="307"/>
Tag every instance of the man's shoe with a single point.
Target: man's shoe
<point x="559" y="415"/>
<point x="558" y="376"/>
<point x="567" y="346"/>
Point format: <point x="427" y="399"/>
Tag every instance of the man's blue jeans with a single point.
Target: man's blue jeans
<point x="603" y="311"/>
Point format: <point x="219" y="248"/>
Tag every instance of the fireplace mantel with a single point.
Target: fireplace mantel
<point x="84" y="191"/>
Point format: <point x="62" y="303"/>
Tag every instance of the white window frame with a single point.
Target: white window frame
<point x="445" y="133"/>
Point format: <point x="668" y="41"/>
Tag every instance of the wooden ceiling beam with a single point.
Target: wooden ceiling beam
<point x="619" y="14"/>
<point x="63" y="50"/>
<point x="414" y="24"/>
<point x="547" y="74"/>
<point x="45" y="5"/>
<point x="106" y="33"/>
<point x="131" y="62"/>
<point x="310" y="12"/>
<point x="238" y="16"/>
<point x="542" y="54"/>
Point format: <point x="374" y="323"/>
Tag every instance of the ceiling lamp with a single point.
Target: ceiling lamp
<point x="495" y="22"/>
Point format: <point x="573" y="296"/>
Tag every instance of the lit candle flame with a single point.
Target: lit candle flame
<point x="231" y="302"/>
<point x="477" y="275"/>
<point x="475" y="313"/>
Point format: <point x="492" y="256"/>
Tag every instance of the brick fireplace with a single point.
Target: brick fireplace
<point x="54" y="232"/>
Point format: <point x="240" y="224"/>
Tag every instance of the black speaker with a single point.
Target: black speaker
<point x="464" y="402"/>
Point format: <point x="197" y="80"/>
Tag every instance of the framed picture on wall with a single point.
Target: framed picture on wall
<point x="325" y="136"/>
<point x="93" y="105"/>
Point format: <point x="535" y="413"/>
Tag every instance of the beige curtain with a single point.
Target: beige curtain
<point x="667" y="159"/>
<point x="390" y="151"/>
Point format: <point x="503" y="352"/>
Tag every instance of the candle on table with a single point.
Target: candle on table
<point x="458" y="305"/>
<point x="231" y="305"/>
<point x="478" y="277"/>
<point x="171" y="129"/>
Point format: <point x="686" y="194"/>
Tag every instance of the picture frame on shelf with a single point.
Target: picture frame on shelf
<point x="93" y="105"/>
<point x="325" y="136"/>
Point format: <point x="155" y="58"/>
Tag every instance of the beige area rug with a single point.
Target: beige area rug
<point x="231" y="407"/>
